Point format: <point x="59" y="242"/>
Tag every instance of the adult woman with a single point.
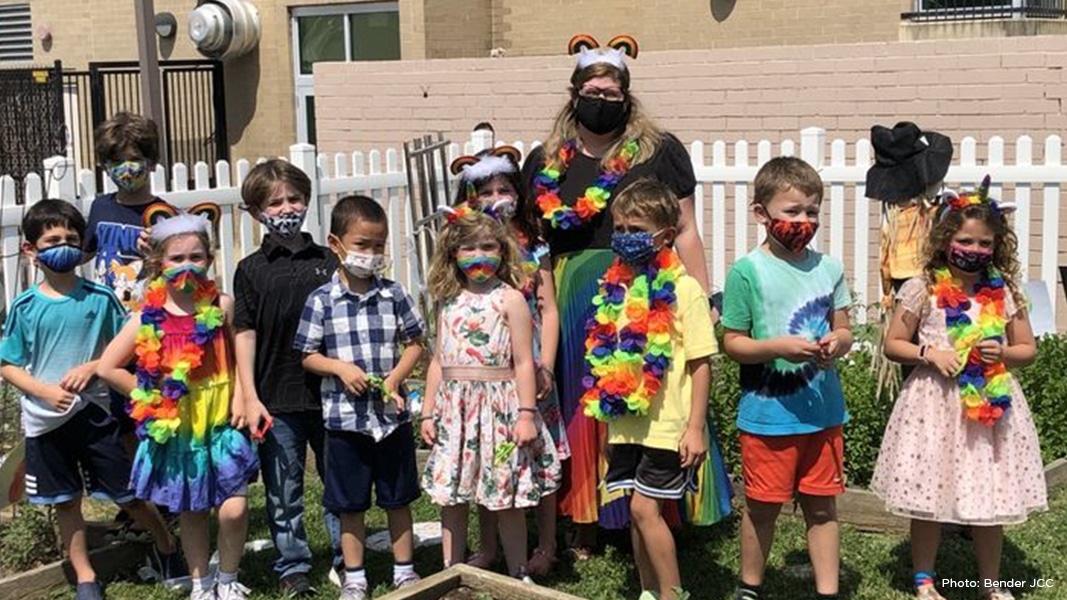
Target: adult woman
<point x="601" y="142"/>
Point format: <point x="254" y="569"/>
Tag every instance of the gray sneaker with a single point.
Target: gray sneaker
<point x="406" y="580"/>
<point x="88" y="591"/>
<point x="353" y="592"/>
<point x="232" y="591"/>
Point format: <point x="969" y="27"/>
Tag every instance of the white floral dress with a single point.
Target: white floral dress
<point x="476" y="408"/>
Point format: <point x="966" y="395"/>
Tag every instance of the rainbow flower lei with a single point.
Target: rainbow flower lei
<point x="627" y="365"/>
<point x="546" y="184"/>
<point x="163" y="374"/>
<point x="985" y="388"/>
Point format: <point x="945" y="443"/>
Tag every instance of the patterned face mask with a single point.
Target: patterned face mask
<point x="968" y="260"/>
<point x="794" y="235"/>
<point x="129" y="175"/>
<point x="479" y="269"/>
<point x="363" y="266"/>
<point x="60" y="259"/>
<point x="186" y="277"/>
<point x="286" y="224"/>
<point x="634" y="248"/>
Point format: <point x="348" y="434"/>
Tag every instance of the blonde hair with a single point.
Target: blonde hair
<point x="638" y="126"/>
<point x="785" y="172"/>
<point x="446" y="279"/>
<point x="648" y="198"/>
<point x="153" y="262"/>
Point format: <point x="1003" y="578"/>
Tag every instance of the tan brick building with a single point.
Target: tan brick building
<point x="269" y="91"/>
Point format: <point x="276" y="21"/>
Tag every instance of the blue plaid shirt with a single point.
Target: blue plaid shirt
<point x="367" y="330"/>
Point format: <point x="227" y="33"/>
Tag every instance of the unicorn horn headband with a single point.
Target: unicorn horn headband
<point x="953" y="201"/>
<point x="590" y="53"/>
<point x="165" y="221"/>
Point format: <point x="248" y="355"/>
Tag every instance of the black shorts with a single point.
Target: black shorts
<point x="355" y="463"/>
<point x="85" y="453"/>
<point x="653" y="472"/>
<point x="120" y="410"/>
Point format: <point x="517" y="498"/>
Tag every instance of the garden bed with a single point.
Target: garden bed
<point x="463" y="582"/>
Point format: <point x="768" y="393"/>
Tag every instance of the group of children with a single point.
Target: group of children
<point x="315" y="346"/>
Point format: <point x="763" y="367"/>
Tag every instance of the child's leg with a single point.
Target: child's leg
<point x="820" y="515"/>
<point x="658" y="542"/>
<point x="195" y="542"/>
<point x="513" y="534"/>
<point x="233" y="529"/>
<point x="353" y="533"/>
<point x="925" y="538"/>
<point x="401" y="535"/>
<point x="487" y="539"/>
<point x="453" y="534"/>
<point x="72" y="534"/>
<point x="645" y="573"/>
<point x="546" y="525"/>
<point x="757" y="535"/>
<point x="147" y="516"/>
<point x="988" y="544"/>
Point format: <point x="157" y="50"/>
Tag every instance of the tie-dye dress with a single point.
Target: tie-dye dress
<point x="207" y="461"/>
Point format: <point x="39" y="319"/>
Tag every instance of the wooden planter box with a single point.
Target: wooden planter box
<point x="497" y="586"/>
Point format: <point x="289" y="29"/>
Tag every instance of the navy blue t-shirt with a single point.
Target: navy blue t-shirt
<point x="111" y="234"/>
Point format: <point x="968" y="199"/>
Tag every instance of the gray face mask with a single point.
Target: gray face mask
<point x="284" y="225"/>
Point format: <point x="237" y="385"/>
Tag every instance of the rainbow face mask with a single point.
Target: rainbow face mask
<point x="479" y="269"/>
<point x="186" y="277"/>
<point x="129" y="175"/>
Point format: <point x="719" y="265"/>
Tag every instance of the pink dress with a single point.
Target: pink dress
<point x="935" y="464"/>
<point x="476" y="410"/>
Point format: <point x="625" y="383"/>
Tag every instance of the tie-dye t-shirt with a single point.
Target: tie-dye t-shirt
<point x="770" y="298"/>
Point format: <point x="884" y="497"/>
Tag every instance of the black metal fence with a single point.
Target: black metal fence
<point x="959" y="10"/>
<point x="31" y="119"/>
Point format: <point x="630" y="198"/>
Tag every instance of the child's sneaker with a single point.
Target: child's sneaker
<point x="1000" y="595"/>
<point x="203" y="594"/>
<point x="172" y="569"/>
<point x="406" y="580"/>
<point x="88" y="591"/>
<point x="353" y="592"/>
<point x="337" y="575"/>
<point x="231" y="591"/>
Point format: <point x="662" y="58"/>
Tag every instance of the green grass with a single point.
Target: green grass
<point x="874" y="566"/>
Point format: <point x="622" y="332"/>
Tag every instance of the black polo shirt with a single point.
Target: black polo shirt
<point x="270" y="288"/>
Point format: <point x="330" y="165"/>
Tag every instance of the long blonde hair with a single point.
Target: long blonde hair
<point x="446" y="279"/>
<point x="638" y="126"/>
<point x="153" y="262"/>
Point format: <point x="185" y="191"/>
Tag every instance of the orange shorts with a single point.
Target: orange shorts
<point x="776" y="466"/>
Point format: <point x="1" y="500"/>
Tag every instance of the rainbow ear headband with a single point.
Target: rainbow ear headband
<point x="590" y="53"/>
<point x="952" y="201"/>
<point x="166" y="221"/>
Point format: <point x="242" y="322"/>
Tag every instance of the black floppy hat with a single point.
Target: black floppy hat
<point x="907" y="160"/>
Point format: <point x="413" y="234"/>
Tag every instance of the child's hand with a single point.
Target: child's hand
<point x="390" y="387"/>
<point x="77" y="378"/>
<point x="353" y="378"/>
<point x="829" y="346"/>
<point x="255" y="414"/>
<point x="545" y="382"/>
<point x="946" y="361"/>
<point x="692" y="448"/>
<point x="991" y="350"/>
<point x="428" y="428"/>
<point x="143" y="245"/>
<point x="57" y="397"/>
<point x="797" y="349"/>
<point x="525" y="432"/>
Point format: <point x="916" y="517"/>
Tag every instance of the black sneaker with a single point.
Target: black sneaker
<point x="296" y="585"/>
<point x="88" y="591"/>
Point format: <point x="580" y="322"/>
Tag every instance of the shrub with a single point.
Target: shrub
<point x="28" y="540"/>
<point x="1045" y="385"/>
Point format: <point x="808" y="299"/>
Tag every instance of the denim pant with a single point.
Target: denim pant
<point x="282" y="456"/>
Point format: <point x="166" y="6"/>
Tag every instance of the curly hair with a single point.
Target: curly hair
<point x="1005" y="244"/>
<point x="446" y="279"/>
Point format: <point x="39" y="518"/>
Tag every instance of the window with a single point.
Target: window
<point x="933" y="10"/>
<point x="16" y="33"/>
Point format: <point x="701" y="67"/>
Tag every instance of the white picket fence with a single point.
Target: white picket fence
<point x="850" y="221"/>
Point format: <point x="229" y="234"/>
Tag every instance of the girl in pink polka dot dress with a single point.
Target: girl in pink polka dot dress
<point x="961" y="446"/>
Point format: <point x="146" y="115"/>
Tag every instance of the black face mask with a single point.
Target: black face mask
<point x="601" y="116"/>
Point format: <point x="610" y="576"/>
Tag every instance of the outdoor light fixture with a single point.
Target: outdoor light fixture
<point x="224" y="28"/>
<point x="166" y="25"/>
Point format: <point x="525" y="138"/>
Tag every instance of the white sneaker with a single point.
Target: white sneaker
<point x="205" y="594"/>
<point x="232" y="591"/>
<point x="353" y="592"/>
<point x="406" y="580"/>
<point x="336" y="576"/>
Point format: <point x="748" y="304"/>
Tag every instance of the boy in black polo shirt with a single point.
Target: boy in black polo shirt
<point x="270" y="289"/>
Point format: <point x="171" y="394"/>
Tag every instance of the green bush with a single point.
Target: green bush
<point x="28" y="540"/>
<point x="1045" y="385"/>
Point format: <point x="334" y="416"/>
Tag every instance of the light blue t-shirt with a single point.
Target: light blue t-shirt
<point x="770" y="298"/>
<point x="50" y="336"/>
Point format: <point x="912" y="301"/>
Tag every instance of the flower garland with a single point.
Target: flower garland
<point x="546" y="184"/>
<point x="627" y="365"/>
<point x="163" y="373"/>
<point x="985" y="388"/>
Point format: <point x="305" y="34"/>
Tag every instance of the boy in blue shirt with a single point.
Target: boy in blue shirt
<point x="54" y="334"/>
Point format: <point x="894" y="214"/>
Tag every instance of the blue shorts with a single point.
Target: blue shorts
<point x="83" y="454"/>
<point x="355" y="463"/>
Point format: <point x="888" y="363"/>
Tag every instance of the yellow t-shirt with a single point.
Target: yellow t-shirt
<point x="693" y="337"/>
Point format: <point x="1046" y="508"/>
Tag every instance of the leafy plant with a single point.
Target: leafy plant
<point x="28" y="540"/>
<point x="1044" y="384"/>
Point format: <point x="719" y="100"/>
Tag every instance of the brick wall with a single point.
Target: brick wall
<point x="1006" y="87"/>
<point x="458" y="28"/>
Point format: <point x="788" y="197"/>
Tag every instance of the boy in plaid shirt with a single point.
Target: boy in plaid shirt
<point x="361" y="333"/>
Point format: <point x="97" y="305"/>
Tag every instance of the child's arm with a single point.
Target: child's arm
<point x="517" y="313"/>
<point x="351" y="376"/>
<point x="838" y="342"/>
<point x="245" y="348"/>
<point x="112" y="364"/>
<point x="743" y="349"/>
<point x="1021" y="348"/>
<point x="692" y="447"/>
<point x="238" y="414"/>
<point x="546" y="299"/>
<point x="409" y="359"/>
<point x="900" y="348"/>
<point x="76" y="379"/>
<point x="433" y="380"/>
<point x="56" y="396"/>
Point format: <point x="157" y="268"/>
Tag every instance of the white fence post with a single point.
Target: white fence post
<point x="61" y="175"/>
<point x="1050" y="226"/>
<point x="303" y="157"/>
<point x="813" y="152"/>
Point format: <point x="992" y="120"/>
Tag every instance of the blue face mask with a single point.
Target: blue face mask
<point x="634" y="248"/>
<point x="60" y="259"/>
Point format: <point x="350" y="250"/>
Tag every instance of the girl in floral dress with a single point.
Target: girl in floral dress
<point x="490" y="182"/>
<point x="489" y="443"/>
<point x="960" y="446"/>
